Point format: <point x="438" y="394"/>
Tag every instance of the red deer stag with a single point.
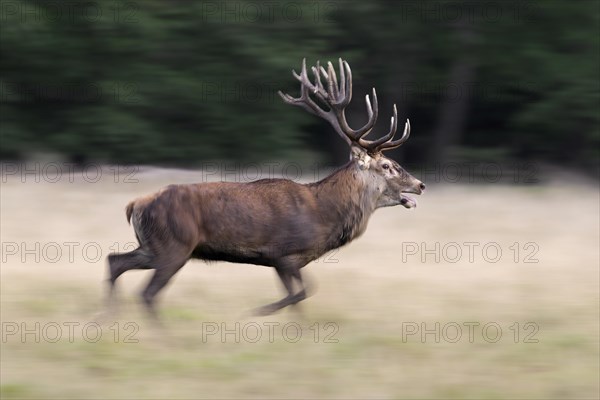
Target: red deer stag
<point x="273" y="222"/>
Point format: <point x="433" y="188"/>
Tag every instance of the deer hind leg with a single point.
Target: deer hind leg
<point x="287" y="275"/>
<point x="165" y="269"/>
<point x="120" y="263"/>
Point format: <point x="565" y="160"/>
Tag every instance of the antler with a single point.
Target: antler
<point x="336" y="96"/>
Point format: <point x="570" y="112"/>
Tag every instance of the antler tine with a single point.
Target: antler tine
<point x="297" y="102"/>
<point x="369" y="107"/>
<point x="332" y="84"/>
<point x="306" y="83"/>
<point x="286" y="97"/>
<point x="348" y="83"/>
<point x="319" y="89"/>
<point x="373" y="113"/>
<point x="299" y="77"/>
<point x="342" y="81"/>
<point x="399" y="142"/>
<point x="323" y="72"/>
<point x="317" y="76"/>
<point x="393" y="127"/>
<point x="375" y="109"/>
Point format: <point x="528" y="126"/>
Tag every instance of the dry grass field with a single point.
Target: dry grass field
<point x="509" y="309"/>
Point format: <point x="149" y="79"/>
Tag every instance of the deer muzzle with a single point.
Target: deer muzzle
<point x="417" y="188"/>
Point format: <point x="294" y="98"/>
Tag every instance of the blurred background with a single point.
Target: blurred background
<point x="176" y="83"/>
<point x="488" y="290"/>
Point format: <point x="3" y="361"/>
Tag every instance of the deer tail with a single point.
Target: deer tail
<point x="129" y="210"/>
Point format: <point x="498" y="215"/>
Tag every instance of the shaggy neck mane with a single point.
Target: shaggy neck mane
<point x="345" y="203"/>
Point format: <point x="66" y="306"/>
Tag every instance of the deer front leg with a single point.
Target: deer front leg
<point x="287" y="275"/>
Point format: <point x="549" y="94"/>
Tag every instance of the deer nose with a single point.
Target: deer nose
<point x="419" y="187"/>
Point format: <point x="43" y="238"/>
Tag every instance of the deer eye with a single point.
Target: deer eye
<point x="385" y="166"/>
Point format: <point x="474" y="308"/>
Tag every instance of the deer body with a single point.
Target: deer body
<point x="273" y="222"/>
<point x="280" y="218"/>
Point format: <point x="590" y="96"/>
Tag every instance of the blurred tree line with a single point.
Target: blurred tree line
<point x="182" y="82"/>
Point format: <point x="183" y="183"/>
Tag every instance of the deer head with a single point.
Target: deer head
<point x="389" y="180"/>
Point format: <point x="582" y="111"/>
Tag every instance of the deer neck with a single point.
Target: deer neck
<point x="345" y="200"/>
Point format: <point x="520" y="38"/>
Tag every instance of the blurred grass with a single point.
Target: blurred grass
<point x="365" y="289"/>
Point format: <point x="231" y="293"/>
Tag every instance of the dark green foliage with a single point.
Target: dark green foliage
<point x="185" y="82"/>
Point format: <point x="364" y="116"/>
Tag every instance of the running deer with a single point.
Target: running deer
<point x="273" y="222"/>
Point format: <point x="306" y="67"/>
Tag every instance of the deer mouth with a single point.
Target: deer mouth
<point x="407" y="202"/>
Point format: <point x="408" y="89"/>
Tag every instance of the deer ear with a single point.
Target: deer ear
<point x="362" y="158"/>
